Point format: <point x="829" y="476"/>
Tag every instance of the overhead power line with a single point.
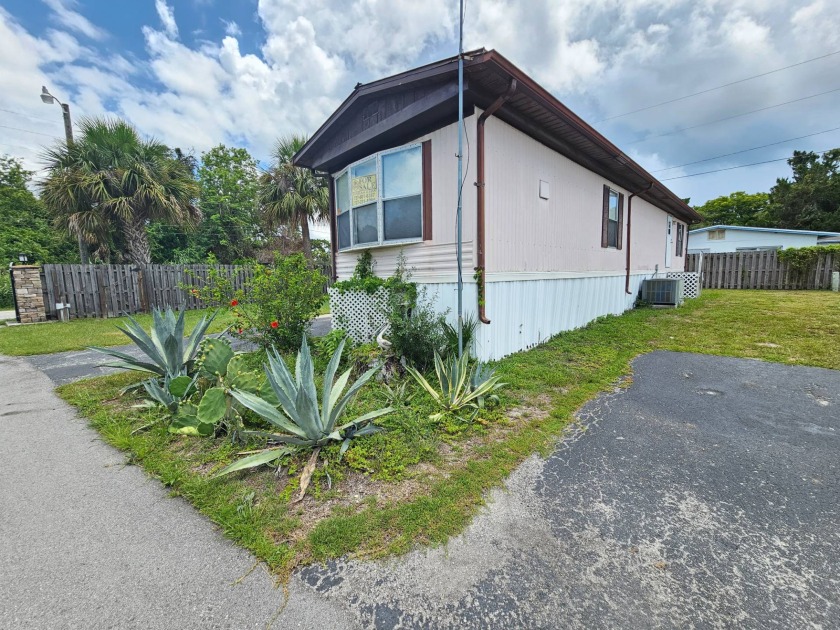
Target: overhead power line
<point x="718" y="87"/>
<point x="11" y="111"/>
<point x="732" y="168"/>
<point x="38" y="133"/>
<point x="763" y="146"/>
<point x="719" y="120"/>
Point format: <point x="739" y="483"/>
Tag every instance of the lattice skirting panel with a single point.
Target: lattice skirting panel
<point x="691" y="282"/>
<point x="362" y="315"/>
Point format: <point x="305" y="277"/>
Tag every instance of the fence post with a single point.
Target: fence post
<point x="141" y="285"/>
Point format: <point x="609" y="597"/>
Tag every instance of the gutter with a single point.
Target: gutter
<point x="480" y="233"/>
<point x="629" y="221"/>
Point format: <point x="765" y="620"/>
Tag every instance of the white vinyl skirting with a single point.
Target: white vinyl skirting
<point x="525" y="313"/>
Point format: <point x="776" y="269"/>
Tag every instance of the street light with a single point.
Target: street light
<point x="49" y="99"/>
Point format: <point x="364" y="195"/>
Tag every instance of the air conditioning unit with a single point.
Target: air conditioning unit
<point x="663" y="291"/>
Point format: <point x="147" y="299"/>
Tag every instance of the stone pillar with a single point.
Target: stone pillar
<point x="29" y="294"/>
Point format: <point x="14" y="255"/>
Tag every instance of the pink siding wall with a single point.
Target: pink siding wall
<point x="435" y="259"/>
<point x="563" y="233"/>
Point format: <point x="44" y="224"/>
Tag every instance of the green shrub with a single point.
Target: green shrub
<point x="278" y="303"/>
<point x="417" y="331"/>
<point x="6" y="299"/>
<point x="364" y="278"/>
<point x="803" y="260"/>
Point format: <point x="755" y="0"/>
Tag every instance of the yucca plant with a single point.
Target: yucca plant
<point x="169" y="354"/>
<point x="468" y="330"/>
<point x="459" y="387"/>
<point x="302" y="423"/>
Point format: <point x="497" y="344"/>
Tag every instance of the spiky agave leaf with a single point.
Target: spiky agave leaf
<point x="304" y="423"/>
<point x="459" y="386"/>
<point x="163" y="345"/>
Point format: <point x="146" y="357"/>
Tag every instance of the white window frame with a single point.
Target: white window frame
<point x="717" y="235"/>
<point x="380" y="202"/>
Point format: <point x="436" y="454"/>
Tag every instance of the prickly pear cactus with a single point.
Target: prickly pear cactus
<point x="215" y="357"/>
<point x="212" y="407"/>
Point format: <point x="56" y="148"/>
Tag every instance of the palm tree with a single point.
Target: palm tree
<point x="111" y="179"/>
<point x="289" y="195"/>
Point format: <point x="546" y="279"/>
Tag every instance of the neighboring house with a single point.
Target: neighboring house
<point x="738" y="238"/>
<point x="829" y="240"/>
<point x="559" y="225"/>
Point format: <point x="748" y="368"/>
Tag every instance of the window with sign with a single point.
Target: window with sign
<point x="379" y="200"/>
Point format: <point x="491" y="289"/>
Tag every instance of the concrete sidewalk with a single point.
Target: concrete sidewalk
<point x="87" y="542"/>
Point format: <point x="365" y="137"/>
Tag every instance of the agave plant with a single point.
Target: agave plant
<point x="169" y="354"/>
<point x="303" y="423"/>
<point x="481" y="374"/>
<point x="461" y="387"/>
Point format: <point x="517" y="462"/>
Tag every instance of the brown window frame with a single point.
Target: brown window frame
<point x="605" y="220"/>
<point x="680" y="238"/>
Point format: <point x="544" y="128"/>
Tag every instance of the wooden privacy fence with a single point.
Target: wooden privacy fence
<point x="758" y="270"/>
<point x="115" y="290"/>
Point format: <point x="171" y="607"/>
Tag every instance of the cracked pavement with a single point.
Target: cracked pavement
<point x="703" y="495"/>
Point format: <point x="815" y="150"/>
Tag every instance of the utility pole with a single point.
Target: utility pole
<point x="459" y="212"/>
<point x="49" y="99"/>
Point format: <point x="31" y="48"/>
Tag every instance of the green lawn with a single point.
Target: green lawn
<point x="78" y="334"/>
<point x="369" y="506"/>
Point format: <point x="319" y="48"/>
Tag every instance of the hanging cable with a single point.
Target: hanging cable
<point x="763" y="146"/>
<point x="732" y="168"/>
<point x="719" y="120"/>
<point x="718" y="87"/>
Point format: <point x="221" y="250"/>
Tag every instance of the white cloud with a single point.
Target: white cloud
<point x="232" y="28"/>
<point x="75" y="21"/>
<point x="167" y="18"/>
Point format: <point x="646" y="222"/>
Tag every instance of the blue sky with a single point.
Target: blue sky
<point x="195" y="73"/>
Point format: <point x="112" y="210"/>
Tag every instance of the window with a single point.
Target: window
<point x="680" y="236"/>
<point x="379" y="200"/>
<point x="612" y="218"/>
<point x="717" y="235"/>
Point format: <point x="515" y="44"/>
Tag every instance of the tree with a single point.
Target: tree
<point x="811" y="201"/>
<point x="112" y="181"/>
<point x="228" y="180"/>
<point x="24" y="222"/>
<point x="291" y="195"/>
<point x="739" y="208"/>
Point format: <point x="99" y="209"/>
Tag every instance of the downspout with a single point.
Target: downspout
<point x="629" y="221"/>
<point x="479" y="221"/>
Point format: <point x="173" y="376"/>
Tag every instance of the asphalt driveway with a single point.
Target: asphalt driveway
<point x="706" y="494"/>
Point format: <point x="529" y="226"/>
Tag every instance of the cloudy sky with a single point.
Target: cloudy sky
<point x="195" y="73"/>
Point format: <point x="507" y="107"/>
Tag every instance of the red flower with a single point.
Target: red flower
<point x="234" y="302"/>
<point x="240" y="331"/>
<point x="274" y="324"/>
